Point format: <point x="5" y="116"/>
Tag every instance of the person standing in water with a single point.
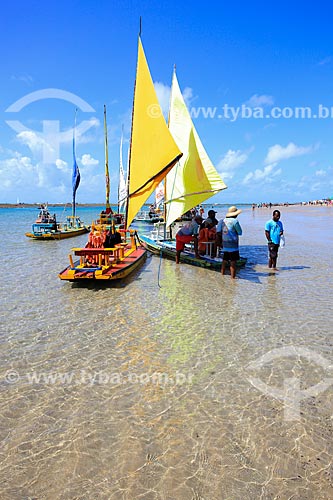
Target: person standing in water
<point x="273" y="232"/>
<point x="228" y="230"/>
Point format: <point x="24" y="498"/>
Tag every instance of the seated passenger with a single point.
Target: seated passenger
<point x="112" y="238"/>
<point x="188" y="234"/>
<point x="207" y="234"/>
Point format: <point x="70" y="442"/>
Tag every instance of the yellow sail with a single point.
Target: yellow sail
<point x="153" y="150"/>
<point x="194" y="179"/>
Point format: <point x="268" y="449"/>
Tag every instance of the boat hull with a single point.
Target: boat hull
<point x="58" y="235"/>
<point x="119" y="269"/>
<point x="167" y="249"/>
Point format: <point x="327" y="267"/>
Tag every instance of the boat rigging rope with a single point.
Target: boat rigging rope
<point x="137" y="239"/>
<point x="159" y="268"/>
<point x="63" y="212"/>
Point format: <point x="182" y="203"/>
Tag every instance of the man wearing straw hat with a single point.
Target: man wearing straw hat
<point x="229" y="230"/>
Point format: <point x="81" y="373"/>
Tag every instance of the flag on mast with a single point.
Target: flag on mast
<point x="159" y="195"/>
<point x="76" y="171"/>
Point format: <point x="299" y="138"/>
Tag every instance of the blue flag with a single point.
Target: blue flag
<point x="75" y="177"/>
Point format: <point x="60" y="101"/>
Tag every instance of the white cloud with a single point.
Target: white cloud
<point x="260" y="101"/>
<point x="23" y="78"/>
<point x="34" y="141"/>
<point x="326" y="60"/>
<point x="18" y="162"/>
<point x="34" y="181"/>
<point x="319" y="181"/>
<point x="62" y="165"/>
<point x="262" y="175"/>
<point x="163" y="94"/>
<point x="230" y="162"/>
<point x="88" y="160"/>
<point x="86" y="132"/>
<point x="188" y="95"/>
<point x="24" y="161"/>
<point x="277" y="153"/>
<point x="20" y="175"/>
<point x="316" y="187"/>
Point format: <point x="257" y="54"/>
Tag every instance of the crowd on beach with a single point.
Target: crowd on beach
<point x="223" y="236"/>
<point x="324" y="201"/>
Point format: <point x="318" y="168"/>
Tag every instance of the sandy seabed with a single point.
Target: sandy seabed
<point x="176" y="384"/>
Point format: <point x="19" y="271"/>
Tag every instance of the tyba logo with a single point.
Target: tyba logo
<point x="50" y="137"/>
<point x="291" y="394"/>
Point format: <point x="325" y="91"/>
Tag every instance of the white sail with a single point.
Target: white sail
<point x="193" y="179"/>
<point x="122" y="188"/>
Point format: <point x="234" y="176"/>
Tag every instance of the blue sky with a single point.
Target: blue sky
<point x="260" y="60"/>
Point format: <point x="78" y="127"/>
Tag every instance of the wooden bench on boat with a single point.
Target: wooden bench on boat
<point x="105" y="257"/>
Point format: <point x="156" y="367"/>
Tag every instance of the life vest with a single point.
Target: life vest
<point x="96" y="239"/>
<point x="205" y="235"/>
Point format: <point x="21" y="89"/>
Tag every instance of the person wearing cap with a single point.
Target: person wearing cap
<point x="228" y="231"/>
<point x="211" y="219"/>
<point x="188" y="234"/>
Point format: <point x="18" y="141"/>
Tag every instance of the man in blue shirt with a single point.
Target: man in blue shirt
<point x="273" y="232"/>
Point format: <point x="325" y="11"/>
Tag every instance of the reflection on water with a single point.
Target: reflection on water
<point x="142" y="390"/>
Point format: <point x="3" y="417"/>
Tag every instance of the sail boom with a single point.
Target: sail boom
<point x="162" y="173"/>
<point x="184" y="196"/>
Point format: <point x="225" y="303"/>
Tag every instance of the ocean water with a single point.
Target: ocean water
<point x="176" y="384"/>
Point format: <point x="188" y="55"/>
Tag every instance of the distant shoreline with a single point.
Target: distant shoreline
<point x="37" y="205"/>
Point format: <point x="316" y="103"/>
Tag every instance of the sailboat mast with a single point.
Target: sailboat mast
<point x="121" y="168"/>
<point x="130" y="145"/>
<point x="153" y="151"/>
<point x="107" y="177"/>
<point x="76" y="172"/>
<point x="165" y="180"/>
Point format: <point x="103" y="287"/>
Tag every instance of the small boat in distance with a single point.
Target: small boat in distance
<point x="106" y="256"/>
<point x="47" y="228"/>
<point x="155" y="213"/>
<point x="151" y="216"/>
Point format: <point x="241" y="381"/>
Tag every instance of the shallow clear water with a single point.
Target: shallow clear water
<point x="149" y="388"/>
